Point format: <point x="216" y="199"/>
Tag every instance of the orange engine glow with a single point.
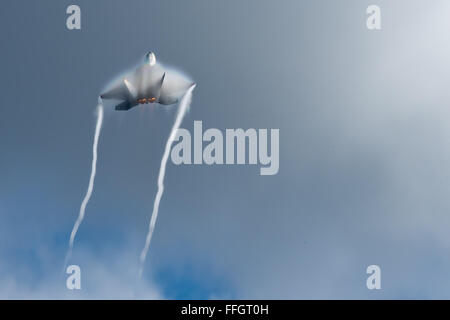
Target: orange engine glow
<point x="146" y="100"/>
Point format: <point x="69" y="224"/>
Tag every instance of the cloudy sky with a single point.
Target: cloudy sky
<point x="364" y="150"/>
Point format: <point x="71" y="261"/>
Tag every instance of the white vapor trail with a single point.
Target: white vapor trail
<point x="184" y="105"/>
<point x="85" y="201"/>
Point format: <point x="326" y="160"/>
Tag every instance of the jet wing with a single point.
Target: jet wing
<point x="173" y="88"/>
<point x="118" y="92"/>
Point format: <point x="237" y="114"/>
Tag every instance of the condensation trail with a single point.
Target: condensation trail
<point x="184" y="105"/>
<point x="85" y="201"/>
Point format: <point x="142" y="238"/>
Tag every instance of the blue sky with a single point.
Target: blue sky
<point x="363" y="179"/>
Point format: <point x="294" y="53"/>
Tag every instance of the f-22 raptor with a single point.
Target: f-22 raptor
<point x="149" y="83"/>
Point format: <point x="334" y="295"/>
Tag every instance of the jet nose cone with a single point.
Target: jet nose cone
<point x="150" y="58"/>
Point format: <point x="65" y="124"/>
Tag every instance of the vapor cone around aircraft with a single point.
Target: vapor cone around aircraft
<point x="149" y="83"/>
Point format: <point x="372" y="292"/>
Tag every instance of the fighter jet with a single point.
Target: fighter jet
<point x="149" y="83"/>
